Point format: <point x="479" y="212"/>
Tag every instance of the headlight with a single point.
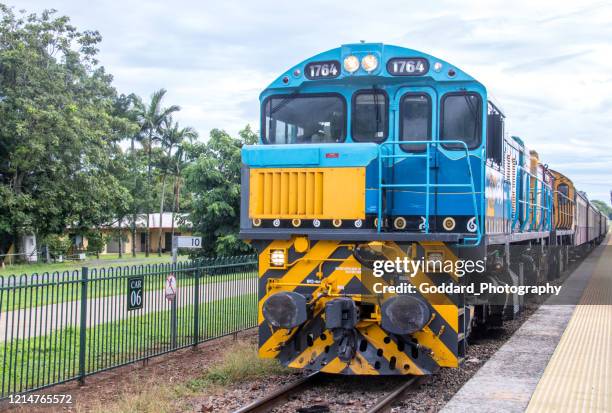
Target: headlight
<point x="369" y="63"/>
<point x="277" y="258"/>
<point x="285" y="309"/>
<point x="351" y="64"/>
<point x="404" y="314"/>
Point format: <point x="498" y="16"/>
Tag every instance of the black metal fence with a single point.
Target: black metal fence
<point x="61" y="326"/>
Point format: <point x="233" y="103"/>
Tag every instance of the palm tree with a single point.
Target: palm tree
<point x="151" y="119"/>
<point x="172" y="138"/>
<point x="179" y="163"/>
<point x="133" y="109"/>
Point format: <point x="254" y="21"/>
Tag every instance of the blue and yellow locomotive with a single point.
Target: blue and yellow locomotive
<point x="377" y="153"/>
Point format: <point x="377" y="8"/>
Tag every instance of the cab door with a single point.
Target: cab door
<point x="415" y="121"/>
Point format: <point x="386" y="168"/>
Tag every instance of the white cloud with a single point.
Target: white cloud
<point x="547" y="62"/>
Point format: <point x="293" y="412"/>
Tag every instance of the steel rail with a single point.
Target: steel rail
<point x="271" y="401"/>
<point x="384" y="404"/>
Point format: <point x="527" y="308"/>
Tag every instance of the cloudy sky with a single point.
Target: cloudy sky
<point x="548" y="63"/>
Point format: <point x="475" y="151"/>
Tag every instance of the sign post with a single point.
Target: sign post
<point x="171" y="284"/>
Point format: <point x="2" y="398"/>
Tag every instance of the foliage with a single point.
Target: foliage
<point x="58" y="244"/>
<point x="603" y="207"/>
<point x="172" y="138"/>
<point x="96" y="241"/>
<point x="214" y="180"/>
<point x="151" y="117"/>
<point x="59" y="130"/>
<point x="62" y="162"/>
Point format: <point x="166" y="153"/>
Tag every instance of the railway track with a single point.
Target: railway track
<point x="384" y="404"/>
<point x="275" y="399"/>
<point x="281" y="395"/>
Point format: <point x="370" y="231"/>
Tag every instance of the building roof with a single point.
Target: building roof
<point x="180" y="220"/>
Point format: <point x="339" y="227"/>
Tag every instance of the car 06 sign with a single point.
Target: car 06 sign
<point x="135" y="293"/>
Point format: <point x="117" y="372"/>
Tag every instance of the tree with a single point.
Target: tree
<point x="151" y="117"/>
<point x="59" y="134"/>
<point x="58" y="245"/>
<point x="214" y="180"/>
<point x="172" y="138"/>
<point x="96" y="242"/>
<point x="180" y="161"/>
<point x="128" y="107"/>
<point x="122" y="170"/>
<point x="603" y="207"/>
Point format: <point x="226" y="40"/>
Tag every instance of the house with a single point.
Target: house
<point x="112" y="231"/>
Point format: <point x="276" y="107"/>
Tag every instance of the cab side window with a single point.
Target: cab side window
<point x="495" y="133"/>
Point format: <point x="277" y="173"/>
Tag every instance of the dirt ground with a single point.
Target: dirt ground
<point x="106" y="388"/>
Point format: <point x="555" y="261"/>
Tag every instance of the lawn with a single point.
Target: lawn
<point x="36" y="362"/>
<point x="91" y="261"/>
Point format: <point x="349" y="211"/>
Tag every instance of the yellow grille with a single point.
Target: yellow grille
<point x="321" y="193"/>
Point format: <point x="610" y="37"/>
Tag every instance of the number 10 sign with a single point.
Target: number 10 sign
<point x="187" y="242"/>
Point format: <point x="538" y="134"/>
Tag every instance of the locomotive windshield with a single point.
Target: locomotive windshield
<point x="415" y="118"/>
<point x="290" y="119"/>
<point x="461" y="119"/>
<point x="370" y="116"/>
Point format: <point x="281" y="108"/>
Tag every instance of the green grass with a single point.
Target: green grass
<point x="103" y="284"/>
<point x="91" y="262"/>
<point x="27" y="364"/>
<point x="238" y="365"/>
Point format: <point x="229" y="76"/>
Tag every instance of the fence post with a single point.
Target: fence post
<point x="173" y="313"/>
<point x="83" y="325"/>
<point x="196" y="307"/>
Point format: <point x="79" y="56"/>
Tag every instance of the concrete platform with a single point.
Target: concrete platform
<point x="508" y="380"/>
<point x="578" y="377"/>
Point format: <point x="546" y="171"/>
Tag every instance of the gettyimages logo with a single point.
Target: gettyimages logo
<point x="405" y="276"/>
<point x="411" y="267"/>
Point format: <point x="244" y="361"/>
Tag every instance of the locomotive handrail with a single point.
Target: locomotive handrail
<point x="571" y="201"/>
<point x="427" y="185"/>
<point x="565" y="210"/>
<point x="543" y="206"/>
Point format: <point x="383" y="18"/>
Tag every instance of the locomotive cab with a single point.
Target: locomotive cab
<point x="368" y="139"/>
